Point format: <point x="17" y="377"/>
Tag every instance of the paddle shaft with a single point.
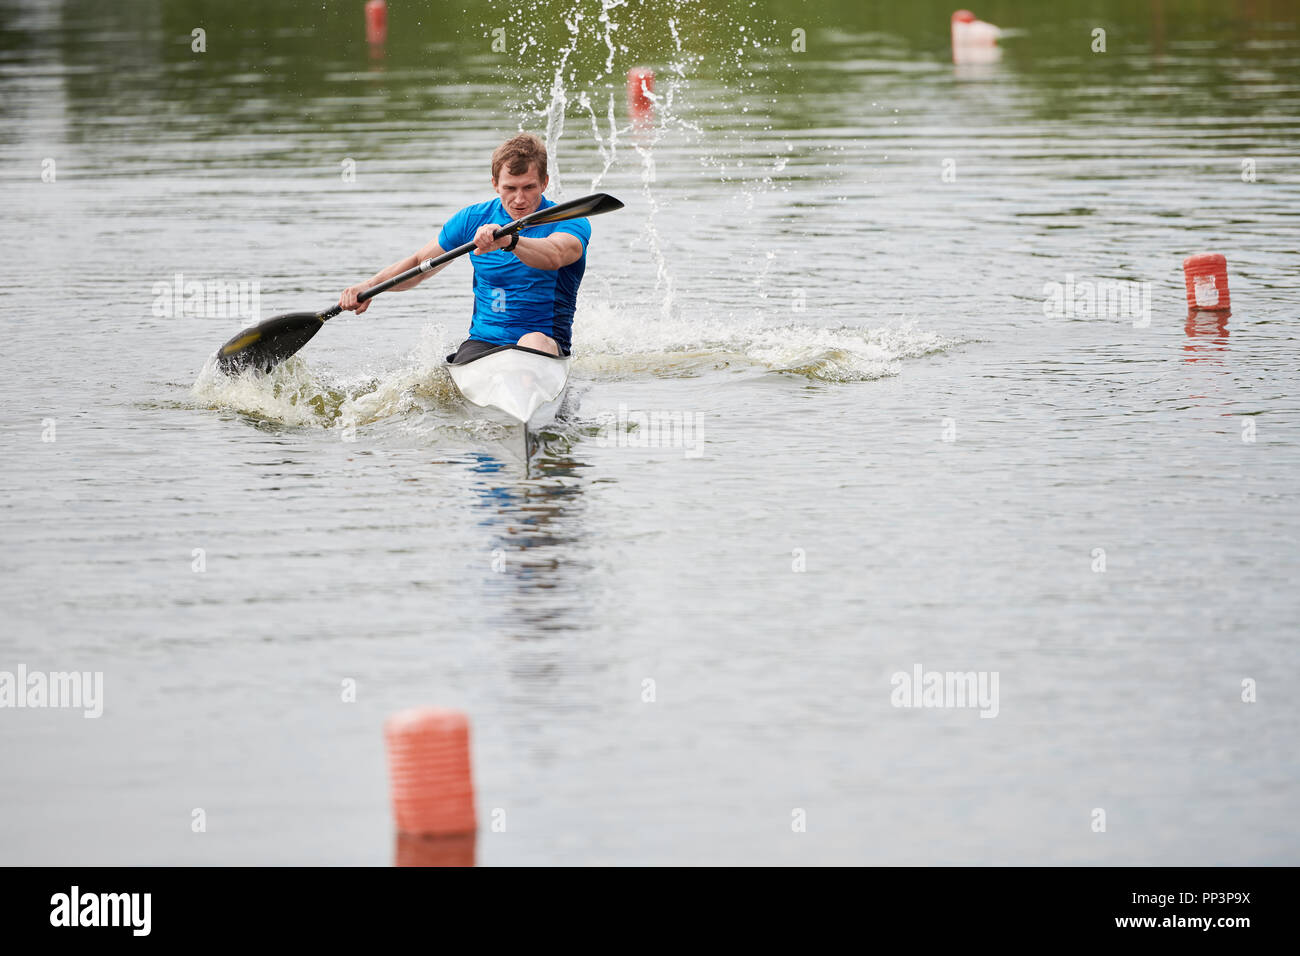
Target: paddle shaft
<point x="414" y="271"/>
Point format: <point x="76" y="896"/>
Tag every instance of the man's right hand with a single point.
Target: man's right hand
<point x="485" y="239"/>
<point x="348" y="299"/>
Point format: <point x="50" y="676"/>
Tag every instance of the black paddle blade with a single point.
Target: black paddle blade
<point x="267" y="344"/>
<point x="592" y="205"/>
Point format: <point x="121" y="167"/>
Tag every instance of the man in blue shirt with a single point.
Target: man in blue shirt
<point x="525" y="287"/>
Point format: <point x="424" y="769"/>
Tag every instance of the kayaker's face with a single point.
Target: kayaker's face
<point x="521" y="193"/>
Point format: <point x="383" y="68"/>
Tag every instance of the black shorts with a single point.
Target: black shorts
<point x="471" y="349"/>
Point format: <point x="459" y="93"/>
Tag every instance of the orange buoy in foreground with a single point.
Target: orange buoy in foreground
<point x="376" y="21"/>
<point x="429" y="771"/>
<point x="640" y="91"/>
<point x="1207" y="281"/>
<point x="412" y="850"/>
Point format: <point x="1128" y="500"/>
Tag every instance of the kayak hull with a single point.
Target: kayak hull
<point x="524" y="385"/>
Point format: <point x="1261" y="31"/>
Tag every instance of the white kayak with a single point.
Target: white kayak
<point x="524" y="384"/>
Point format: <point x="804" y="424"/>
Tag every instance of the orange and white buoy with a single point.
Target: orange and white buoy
<point x="1206" y="275"/>
<point x="429" y="771"/>
<point x="973" y="40"/>
<point x="376" y="22"/>
<point x="640" y="92"/>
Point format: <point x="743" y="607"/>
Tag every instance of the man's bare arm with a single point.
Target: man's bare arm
<point x="554" y="252"/>
<point x="348" y="298"/>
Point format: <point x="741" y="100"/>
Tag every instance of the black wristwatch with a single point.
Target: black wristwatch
<point x="513" y="242"/>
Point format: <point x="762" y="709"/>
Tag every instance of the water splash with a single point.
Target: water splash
<point x="291" y="394"/>
<point x="300" y="393"/>
<point x="618" y="345"/>
<point x="602" y="40"/>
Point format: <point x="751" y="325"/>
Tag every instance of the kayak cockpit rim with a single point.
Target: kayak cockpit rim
<point x="501" y="348"/>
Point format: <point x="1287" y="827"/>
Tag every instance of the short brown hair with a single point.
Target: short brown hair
<point x="517" y="154"/>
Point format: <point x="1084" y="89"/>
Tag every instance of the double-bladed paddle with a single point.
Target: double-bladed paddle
<point x="269" y="343"/>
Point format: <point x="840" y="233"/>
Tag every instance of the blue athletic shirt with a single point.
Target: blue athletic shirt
<point x="511" y="298"/>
